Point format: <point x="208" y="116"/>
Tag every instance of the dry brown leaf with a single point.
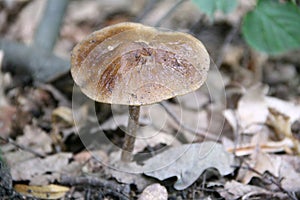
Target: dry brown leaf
<point x="150" y="137"/>
<point x="44" y="192"/>
<point x="236" y="190"/>
<point x="154" y="192"/>
<point x="7" y="117"/>
<point x="252" y="109"/>
<point x="262" y="162"/>
<point x="120" y="120"/>
<point x="36" y="139"/>
<point x="290" y="109"/>
<point x="63" y="115"/>
<point x="138" y="180"/>
<point x="282" y="127"/>
<point x="274" y="164"/>
<point x="13" y="157"/>
<point x="92" y="160"/>
<point x="193" y="101"/>
<point x="160" y="120"/>
<point x="28" y="169"/>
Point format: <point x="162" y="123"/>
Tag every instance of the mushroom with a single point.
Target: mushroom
<point x="133" y="64"/>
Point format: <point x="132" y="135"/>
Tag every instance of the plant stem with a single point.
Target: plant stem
<point x="133" y="123"/>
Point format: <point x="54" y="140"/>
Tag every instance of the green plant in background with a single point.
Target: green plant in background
<point x="209" y="7"/>
<point x="271" y="27"/>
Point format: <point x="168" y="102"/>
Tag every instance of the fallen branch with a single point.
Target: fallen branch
<point x="38" y="63"/>
<point x="49" y="26"/>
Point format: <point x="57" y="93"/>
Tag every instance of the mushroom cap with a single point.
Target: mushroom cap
<point x="133" y="64"/>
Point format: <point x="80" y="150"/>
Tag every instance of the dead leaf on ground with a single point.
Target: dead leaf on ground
<point x="92" y="160"/>
<point x="7" y="117"/>
<point x="63" y="115"/>
<point x="252" y="109"/>
<point x="154" y="191"/>
<point x="236" y="190"/>
<point x="44" y="192"/>
<point x="36" y="139"/>
<point x="119" y="121"/>
<point x="193" y="101"/>
<point x="57" y="163"/>
<point x="188" y="162"/>
<point x="274" y="164"/>
<point x="150" y="137"/>
<point x="160" y="120"/>
<point x="138" y="180"/>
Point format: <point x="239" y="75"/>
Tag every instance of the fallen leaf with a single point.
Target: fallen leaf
<point x="289" y="109"/>
<point x="63" y="115"/>
<point x="261" y="162"/>
<point x="13" y="157"/>
<point x="290" y="177"/>
<point x="274" y="164"/>
<point x="137" y="179"/>
<point x="119" y="120"/>
<point x="44" y="192"/>
<point x="188" y="162"/>
<point x="7" y="117"/>
<point x="36" y="139"/>
<point x="154" y="192"/>
<point x="236" y="190"/>
<point x="193" y="101"/>
<point x="150" y="137"/>
<point x="282" y="126"/>
<point x="161" y="120"/>
<point x="252" y="109"/>
<point x="37" y="166"/>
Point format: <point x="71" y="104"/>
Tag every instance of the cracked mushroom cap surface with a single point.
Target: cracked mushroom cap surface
<point x="133" y="64"/>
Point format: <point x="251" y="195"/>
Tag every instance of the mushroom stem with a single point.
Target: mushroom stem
<point x="133" y="123"/>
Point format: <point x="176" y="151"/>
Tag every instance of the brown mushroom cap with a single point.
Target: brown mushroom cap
<point x="133" y="64"/>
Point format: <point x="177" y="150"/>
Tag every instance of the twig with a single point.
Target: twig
<point x="49" y="26"/>
<point x="11" y="141"/>
<point x="203" y="132"/>
<point x="172" y="9"/>
<point x="226" y="42"/>
<point x="113" y="188"/>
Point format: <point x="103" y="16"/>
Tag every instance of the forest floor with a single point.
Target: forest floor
<point x="237" y="137"/>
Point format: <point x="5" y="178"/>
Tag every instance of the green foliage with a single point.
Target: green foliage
<point x="209" y="7"/>
<point x="272" y="27"/>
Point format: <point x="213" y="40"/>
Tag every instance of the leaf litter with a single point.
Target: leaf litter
<point x="259" y="128"/>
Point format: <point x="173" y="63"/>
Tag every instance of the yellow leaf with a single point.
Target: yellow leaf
<point x="44" y="192"/>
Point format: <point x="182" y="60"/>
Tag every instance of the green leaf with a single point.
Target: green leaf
<point x="272" y="27"/>
<point x="209" y="7"/>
